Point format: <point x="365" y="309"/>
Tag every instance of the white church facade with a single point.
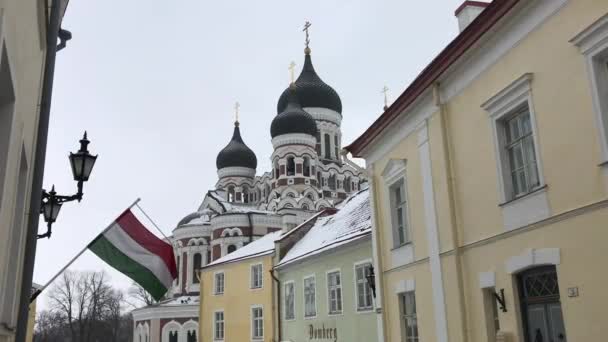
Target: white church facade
<point x="308" y="174"/>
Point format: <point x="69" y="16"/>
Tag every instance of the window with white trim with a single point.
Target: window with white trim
<point x="218" y="325"/>
<point x="310" y="304"/>
<point x="257" y="323"/>
<point x="593" y="44"/>
<point x="409" y="318"/>
<point x="256" y="276"/>
<point x="364" y="292"/>
<point x="399" y="212"/>
<point x="520" y="152"/>
<point x="219" y="283"/>
<point x="290" y="300"/>
<point x="334" y="292"/>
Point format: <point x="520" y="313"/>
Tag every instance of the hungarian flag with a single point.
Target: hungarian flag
<point x="131" y="249"/>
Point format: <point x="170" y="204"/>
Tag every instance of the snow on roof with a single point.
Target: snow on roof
<point x="181" y="300"/>
<point x="261" y="246"/>
<point x="235" y="207"/>
<point x="352" y="221"/>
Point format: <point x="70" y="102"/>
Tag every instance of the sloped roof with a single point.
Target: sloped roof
<point x="351" y="222"/>
<point x="259" y="247"/>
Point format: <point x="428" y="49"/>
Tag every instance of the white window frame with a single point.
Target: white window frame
<point x="395" y="172"/>
<point x="593" y="45"/>
<point x="339" y="299"/>
<point x="402" y="317"/>
<point x="252" y="279"/>
<point x="304" y="295"/>
<point x="356" y="265"/>
<point x="252" y="322"/>
<point x="500" y="108"/>
<point x="214" y="331"/>
<point x="215" y="283"/>
<point x="285" y="284"/>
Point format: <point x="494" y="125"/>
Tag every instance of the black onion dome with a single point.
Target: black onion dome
<point x="236" y="153"/>
<point x="293" y="119"/>
<point x="312" y="91"/>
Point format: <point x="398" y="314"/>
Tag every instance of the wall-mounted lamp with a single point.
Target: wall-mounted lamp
<point x="82" y="163"/>
<point x="371" y="280"/>
<point x="500" y="298"/>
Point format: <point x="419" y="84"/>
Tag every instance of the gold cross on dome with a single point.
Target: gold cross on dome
<point x="291" y="68"/>
<point x="306" y="26"/>
<point x="236" y="110"/>
<point x="384" y="91"/>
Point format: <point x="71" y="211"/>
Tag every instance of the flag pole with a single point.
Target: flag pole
<point x="37" y="293"/>
<point x="152" y="221"/>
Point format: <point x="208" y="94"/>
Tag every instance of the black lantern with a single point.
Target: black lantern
<point x="371" y="280"/>
<point x="82" y="163"/>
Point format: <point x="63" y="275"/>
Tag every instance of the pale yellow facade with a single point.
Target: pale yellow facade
<point x="468" y="234"/>
<point x="22" y="52"/>
<point x="237" y="300"/>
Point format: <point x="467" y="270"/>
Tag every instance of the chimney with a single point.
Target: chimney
<point x="468" y="11"/>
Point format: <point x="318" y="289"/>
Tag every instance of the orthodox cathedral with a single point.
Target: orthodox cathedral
<point x="308" y="174"/>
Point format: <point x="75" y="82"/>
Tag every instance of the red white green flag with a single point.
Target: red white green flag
<point x="133" y="250"/>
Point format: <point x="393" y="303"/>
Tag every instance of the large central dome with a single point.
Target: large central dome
<point x="236" y="153"/>
<point x="312" y="91"/>
<point x="293" y="119"/>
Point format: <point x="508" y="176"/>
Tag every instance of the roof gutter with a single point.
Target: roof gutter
<point x="278" y="303"/>
<point x="52" y="34"/>
<point x="430" y="75"/>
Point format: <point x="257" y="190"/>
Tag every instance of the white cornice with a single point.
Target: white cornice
<point x="324" y="114"/>
<point x="236" y="171"/>
<point x="294" y="139"/>
<point x="168" y="311"/>
<point x="592" y="36"/>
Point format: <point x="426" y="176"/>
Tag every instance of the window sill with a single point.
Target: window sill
<point x="540" y="188"/>
<point x="402" y="245"/>
<point x="365" y="310"/>
<point x="333" y="314"/>
<point x="310" y="317"/>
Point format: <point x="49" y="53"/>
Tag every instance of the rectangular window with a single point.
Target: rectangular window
<point x="290" y="302"/>
<point x="520" y="152"/>
<point x="256" y="276"/>
<point x="399" y="212"/>
<point x="257" y="323"/>
<point x="218" y="324"/>
<point x="409" y="320"/>
<point x="310" y="304"/>
<point x="219" y="283"/>
<point x="364" y="293"/>
<point x="334" y="291"/>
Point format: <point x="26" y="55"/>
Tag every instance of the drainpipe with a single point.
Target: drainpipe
<point x="250" y="228"/>
<point x="33" y="214"/>
<point x="278" y="304"/>
<point x="447" y="148"/>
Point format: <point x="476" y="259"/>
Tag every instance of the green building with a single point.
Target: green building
<point x="324" y="287"/>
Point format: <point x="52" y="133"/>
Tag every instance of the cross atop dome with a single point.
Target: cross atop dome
<point x="237" y="105"/>
<point x="306" y="26"/>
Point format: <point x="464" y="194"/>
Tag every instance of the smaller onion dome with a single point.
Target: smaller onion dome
<point x="293" y="119"/>
<point x="236" y="153"/>
<point x="312" y="91"/>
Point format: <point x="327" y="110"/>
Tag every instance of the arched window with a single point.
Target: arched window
<point x="291" y="166"/>
<point x="288" y="205"/>
<point x="231" y="193"/>
<point x="173" y="336"/>
<point x="336" y="146"/>
<point x="347" y="184"/>
<point x="310" y="196"/>
<point x="319" y="178"/>
<point x="318" y="145"/>
<point x="196" y="266"/>
<point x="305" y="206"/>
<point x="209" y="255"/>
<point x="332" y="181"/>
<point x="276" y="169"/>
<point x="231" y="248"/>
<point x="245" y="195"/>
<point x="327" y="146"/>
<point x="306" y="167"/>
<point x="291" y="195"/>
<point x="191" y="336"/>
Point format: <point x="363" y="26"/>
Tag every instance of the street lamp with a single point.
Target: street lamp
<point x="371" y="280"/>
<point x="82" y="163"/>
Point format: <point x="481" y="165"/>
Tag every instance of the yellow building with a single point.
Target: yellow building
<point x="236" y="294"/>
<point x="489" y="176"/>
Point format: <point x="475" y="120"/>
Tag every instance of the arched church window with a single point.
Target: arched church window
<point x="276" y="169"/>
<point x="291" y="166"/>
<point x="318" y="145"/>
<point x="231" y="193"/>
<point x="310" y="197"/>
<point x="196" y="266"/>
<point x="209" y="255"/>
<point x="332" y="181"/>
<point x="191" y="336"/>
<point x="347" y="184"/>
<point x="336" y="145"/>
<point x="305" y="206"/>
<point x="321" y="207"/>
<point x="288" y="205"/>
<point x="319" y="178"/>
<point x="327" y="146"/>
<point x="231" y="248"/>
<point x="173" y="336"/>
<point x="306" y="167"/>
<point x="291" y="195"/>
<point x="245" y="195"/>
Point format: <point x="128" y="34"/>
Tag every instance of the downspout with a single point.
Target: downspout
<point x="278" y="304"/>
<point x="250" y="228"/>
<point x="33" y="215"/>
<point x="447" y="148"/>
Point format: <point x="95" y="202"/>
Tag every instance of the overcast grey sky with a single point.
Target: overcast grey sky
<point x="155" y="82"/>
